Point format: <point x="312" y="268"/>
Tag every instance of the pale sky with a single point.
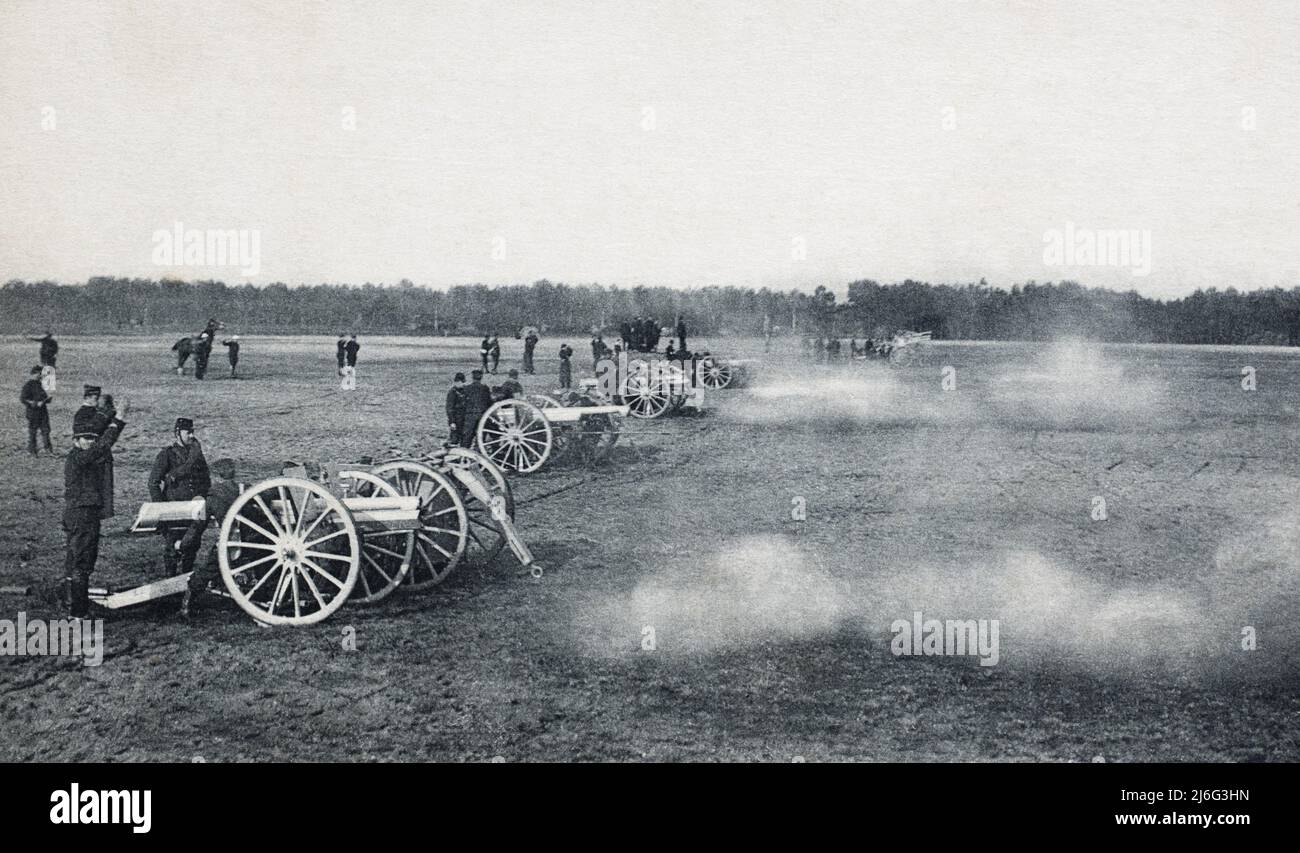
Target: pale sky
<point x="781" y="144"/>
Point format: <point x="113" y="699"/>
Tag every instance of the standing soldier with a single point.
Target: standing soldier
<point x="456" y="408"/>
<point x="625" y="333"/>
<point x="483" y="349"/>
<point x="201" y="355"/>
<point x="179" y="473"/>
<point x="35" y="401"/>
<point x="681" y="333"/>
<point x="232" y="352"/>
<point x="350" y="350"/>
<point x="478" y="399"/>
<point x="566" y="369"/>
<point x="638" y="335"/>
<point x="495" y="353"/>
<point x="95" y="416"/>
<point x="84" y="491"/>
<point x="512" y="387"/>
<point x="49" y="354"/>
<point x="598" y="350"/>
<point x="342" y="353"/>
<point x="530" y="343"/>
<point x="221" y="496"/>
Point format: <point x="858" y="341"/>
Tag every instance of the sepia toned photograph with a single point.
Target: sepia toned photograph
<point x="779" y="381"/>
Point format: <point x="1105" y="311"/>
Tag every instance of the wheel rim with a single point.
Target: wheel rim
<point x="289" y="552"/>
<point x="516" y="436"/>
<point x="486" y="538"/>
<point x="441" y="540"/>
<point x="715" y="375"/>
<point x="385" y="554"/>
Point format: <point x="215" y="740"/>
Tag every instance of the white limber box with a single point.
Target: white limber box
<point x="154" y="516"/>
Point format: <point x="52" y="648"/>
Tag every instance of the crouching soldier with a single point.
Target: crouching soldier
<point x="221" y="495"/>
<point x="84" y="485"/>
<point x="180" y="473"/>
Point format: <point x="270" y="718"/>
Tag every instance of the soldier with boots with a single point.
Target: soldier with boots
<point x="84" y="491"/>
<point x="478" y="399"/>
<point x="221" y="496"/>
<point x="456" y="408"/>
<point x="179" y="473"/>
<point x="35" y="403"/>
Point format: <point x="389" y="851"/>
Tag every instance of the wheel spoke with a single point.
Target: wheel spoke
<point x="311" y="584"/>
<point x="378" y="568"/>
<point x="236" y="570"/>
<point x="441" y="549"/>
<point x="371" y="546"/>
<point x="312" y="529"/>
<point x="325" y="538"/>
<point x="270" y="516"/>
<point x="262" y="531"/>
<point x="326" y="556"/>
<point x="329" y="577"/>
<point x="270" y="572"/>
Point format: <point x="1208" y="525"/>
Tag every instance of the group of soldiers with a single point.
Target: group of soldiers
<point x="179" y="473"/>
<point x="830" y="349"/>
<point x="467" y="403"/>
<point x="201" y="348"/>
<point x="643" y="334"/>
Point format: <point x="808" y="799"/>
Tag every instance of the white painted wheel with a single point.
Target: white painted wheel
<point x="715" y="374"/>
<point x="441" y="540"/>
<point x="385" y="554"/>
<point x="516" y="436"/>
<point x="289" y="552"/>
<point x="486" y="538"/>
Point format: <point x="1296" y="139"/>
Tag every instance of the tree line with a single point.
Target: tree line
<point x="973" y="311"/>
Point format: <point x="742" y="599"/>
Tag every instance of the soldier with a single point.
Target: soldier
<point x="530" y="343"/>
<point x="456" y="408"/>
<point x="495" y="353"/>
<point x="566" y="369"/>
<point x="35" y="402"/>
<point x="95" y="416"/>
<point x="625" y="334"/>
<point x="232" y="352"/>
<point x="651" y="335"/>
<point x="84" y="491"/>
<point x="598" y="350"/>
<point x="483" y="349"/>
<point x="478" y="399"/>
<point x="49" y="354"/>
<point x="201" y="355"/>
<point x="221" y="495"/>
<point x="638" y="334"/>
<point x="179" y="473"/>
<point x="342" y="352"/>
<point x="681" y="333"/>
<point x="350" y="351"/>
<point x="512" y="387"/>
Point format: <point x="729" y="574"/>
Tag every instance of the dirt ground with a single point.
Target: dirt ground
<point x="724" y="588"/>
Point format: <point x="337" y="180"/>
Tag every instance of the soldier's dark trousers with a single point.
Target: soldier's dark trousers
<point x="468" y="431"/>
<point x="206" y="572"/>
<point x="41" y="424"/>
<point x="178" y="562"/>
<point x="82" y="526"/>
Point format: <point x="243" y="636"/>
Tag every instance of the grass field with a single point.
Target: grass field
<point x="1120" y="637"/>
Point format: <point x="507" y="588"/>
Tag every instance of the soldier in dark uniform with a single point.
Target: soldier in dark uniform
<point x="638" y="335"/>
<point x="681" y="333"/>
<point x="478" y="399"/>
<point x="512" y="386"/>
<point x="350" y="351"/>
<point x="35" y="403"/>
<point x="598" y="350"/>
<point x="495" y="352"/>
<point x="456" y="408"/>
<point x="179" y="473"/>
<point x="566" y="369"/>
<point x="651" y="335"/>
<point x="201" y="355"/>
<point x="95" y="416"/>
<point x="530" y="343"/>
<point x="84" y="491"/>
<point x="49" y="349"/>
<point x="483" y="350"/>
<point x="625" y="333"/>
<point x="221" y="496"/>
<point x="342" y="355"/>
<point x="232" y="352"/>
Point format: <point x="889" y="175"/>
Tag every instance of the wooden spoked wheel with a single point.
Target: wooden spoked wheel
<point x="516" y="436"/>
<point x="645" y="397"/>
<point x="714" y="374"/>
<point x="385" y="554"/>
<point x="289" y="552"/>
<point x="444" y="523"/>
<point x="486" y="538"/>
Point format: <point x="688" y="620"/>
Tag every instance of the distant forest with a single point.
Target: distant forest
<point x="1026" y="312"/>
